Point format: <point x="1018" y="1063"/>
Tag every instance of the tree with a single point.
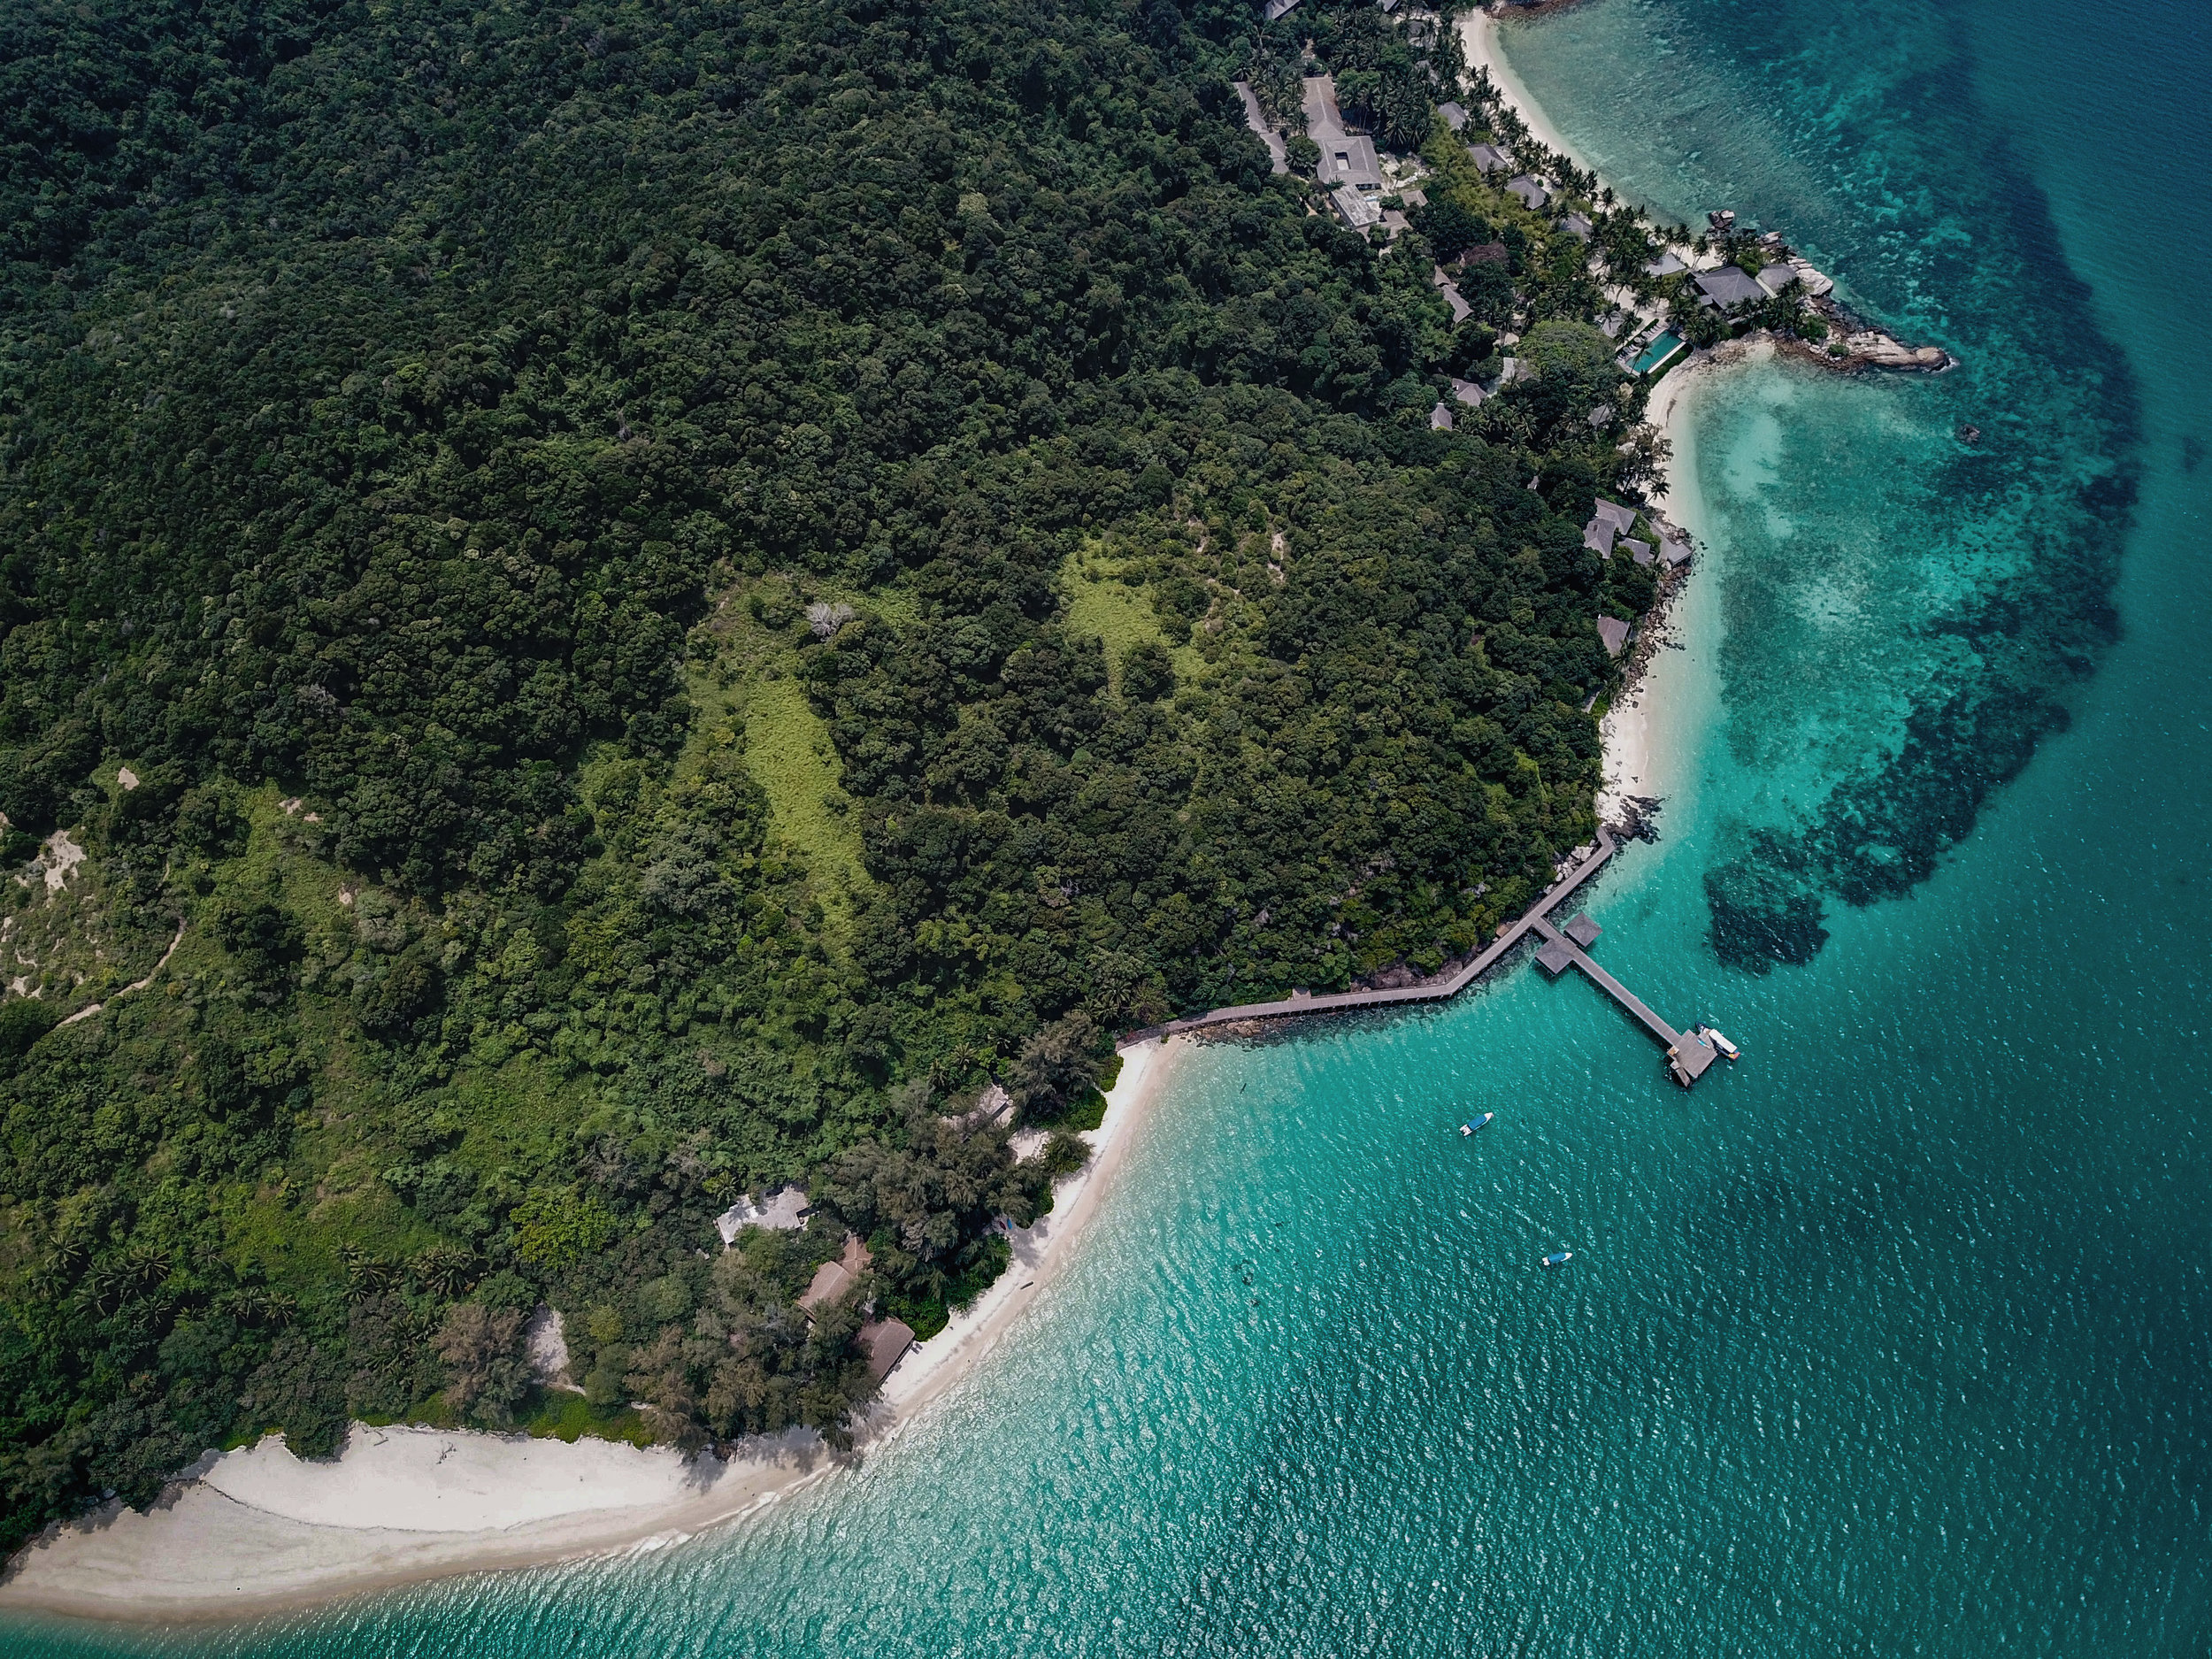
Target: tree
<point x="1056" y="1065"/>
<point x="487" y="1374"/>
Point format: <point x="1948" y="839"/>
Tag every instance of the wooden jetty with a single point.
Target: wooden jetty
<point x="1687" y="1056"/>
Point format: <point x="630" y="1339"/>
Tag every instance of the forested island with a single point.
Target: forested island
<point x="632" y="604"/>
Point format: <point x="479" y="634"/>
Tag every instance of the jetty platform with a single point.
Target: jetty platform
<point x="1688" y="1056"/>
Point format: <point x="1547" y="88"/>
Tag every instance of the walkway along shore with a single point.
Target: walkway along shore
<point x="1688" y="1056"/>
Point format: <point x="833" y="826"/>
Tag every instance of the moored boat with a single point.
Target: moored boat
<point x="1727" y="1048"/>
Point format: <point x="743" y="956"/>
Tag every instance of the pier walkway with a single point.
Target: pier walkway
<point x="1435" y="991"/>
<point x="1605" y="982"/>
<point x="1687" y="1056"/>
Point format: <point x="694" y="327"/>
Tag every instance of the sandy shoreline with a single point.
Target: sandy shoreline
<point x="1479" y="38"/>
<point x="1629" y="758"/>
<point x="1630" y="761"/>
<point x="258" y="1532"/>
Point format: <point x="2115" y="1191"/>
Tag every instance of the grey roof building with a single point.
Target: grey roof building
<point x="1254" y="118"/>
<point x="782" y="1212"/>
<point x="1728" y="287"/>
<point x="1279" y="9"/>
<point x="1460" y="309"/>
<point x="1489" y="158"/>
<point x="1674" y="550"/>
<point x="1640" y="551"/>
<point x="1347" y="159"/>
<point x="1597" y="535"/>
<point x="1622" y="518"/>
<point x="1665" y="264"/>
<point x="1614" y="631"/>
<point x="1357" y="210"/>
<point x="1775" y="278"/>
<point x="1454" y="116"/>
<point x="1576" y="226"/>
<point x="1532" y="194"/>
<point x="1440" y="418"/>
<point x="1468" y="393"/>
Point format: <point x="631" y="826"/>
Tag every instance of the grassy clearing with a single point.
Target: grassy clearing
<point x="565" y="1417"/>
<point x="1122" y="616"/>
<point x="788" y="749"/>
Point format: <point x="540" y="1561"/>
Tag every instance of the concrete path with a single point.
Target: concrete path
<point x="1256" y="120"/>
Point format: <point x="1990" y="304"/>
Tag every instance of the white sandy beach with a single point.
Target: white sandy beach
<point x="1632" y="764"/>
<point x="1479" y="38"/>
<point x="259" y="1530"/>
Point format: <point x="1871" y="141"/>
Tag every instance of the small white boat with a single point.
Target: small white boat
<point x="1559" y="1259"/>
<point x="1482" y="1122"/>
<point x="1727" y="1048"/>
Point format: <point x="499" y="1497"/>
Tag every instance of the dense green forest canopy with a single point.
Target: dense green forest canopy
<point x="634" y="603"/>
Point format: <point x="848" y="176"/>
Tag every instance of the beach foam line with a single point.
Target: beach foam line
<point x="259" y="1531"/>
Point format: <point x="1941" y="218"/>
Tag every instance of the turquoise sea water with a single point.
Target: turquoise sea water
<point x="1895" y="1339"/>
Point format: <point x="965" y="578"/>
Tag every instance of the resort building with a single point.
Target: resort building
<point x="1454" y="116"/>
<point x="782" y="1212"/>
<point x="834" y="1279"/>
<point x="885" y="1341"/>
<point x="1775" y="278"/>
<point x="1728" y="287"/>
<point x="1533" y="194"/>
<point x="1460" y="309"/>
<point x="1349" y="160"/>
<point x="1614" y="631"/>
<point x="1440" y="418"/>
<point x="1490" y="159"/>
<point x="1622" y="518"/>
<point x="1356" y="210"/>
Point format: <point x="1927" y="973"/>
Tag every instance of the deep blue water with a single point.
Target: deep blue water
<point x="1895" y="1339"/>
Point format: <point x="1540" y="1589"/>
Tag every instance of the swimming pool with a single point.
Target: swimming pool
<point x="1658" y="351"/>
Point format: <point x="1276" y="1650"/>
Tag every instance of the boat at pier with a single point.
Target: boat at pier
<point x="1720" y="1042"/>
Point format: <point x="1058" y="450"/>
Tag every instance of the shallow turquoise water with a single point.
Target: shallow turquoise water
<point x="1894" y="1339"/>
